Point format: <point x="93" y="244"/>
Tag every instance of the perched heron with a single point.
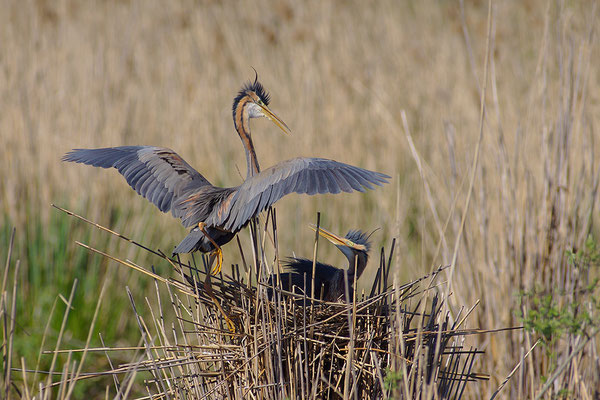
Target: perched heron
<point x="216" y="214"/>
<point x="329" y="280"/>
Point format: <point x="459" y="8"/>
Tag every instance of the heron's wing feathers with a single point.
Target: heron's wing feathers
<point x="298" y="272"/>
<point x="157" y="173"/>
<point x="299" y="175"/>
<point x="299" y="265"/>
<point x="197" y="205"/>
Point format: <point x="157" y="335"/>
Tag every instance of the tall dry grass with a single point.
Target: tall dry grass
<point x="341" y="76"/>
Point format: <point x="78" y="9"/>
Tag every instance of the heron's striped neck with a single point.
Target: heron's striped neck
<point x="242" y="126"/>
<point x="356" y="266"/>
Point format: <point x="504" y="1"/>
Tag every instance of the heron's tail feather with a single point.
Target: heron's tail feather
<point x="190" y="243"/>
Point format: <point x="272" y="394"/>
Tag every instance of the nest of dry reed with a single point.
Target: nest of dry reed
<point x="394" y="341"/>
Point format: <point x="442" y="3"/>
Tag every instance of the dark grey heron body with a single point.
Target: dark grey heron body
<point x="216" y="214"/>
<point x="329" y="281"/>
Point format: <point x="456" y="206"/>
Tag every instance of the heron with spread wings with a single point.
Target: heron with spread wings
<point x="216" y="214"/>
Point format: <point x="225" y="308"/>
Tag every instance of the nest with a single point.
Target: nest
<point x="286" y="346"/>
<point x="394" y="341"/>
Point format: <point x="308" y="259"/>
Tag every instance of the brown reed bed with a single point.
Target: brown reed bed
<point x="394" y="340"/>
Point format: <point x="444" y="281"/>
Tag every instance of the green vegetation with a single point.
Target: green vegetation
<point x="568" y="313"/>
<point x="49" y="266"/>
<point x="551" y="321"/>
<point x="574" y="311"/>
<point x="392" y="380"/>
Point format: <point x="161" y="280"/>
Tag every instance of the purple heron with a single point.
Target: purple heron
<point x="216" y="214"/>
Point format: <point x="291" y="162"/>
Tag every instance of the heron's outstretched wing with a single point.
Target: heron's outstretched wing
<point x="299" y="175"/>
<point x="157" y="173"/>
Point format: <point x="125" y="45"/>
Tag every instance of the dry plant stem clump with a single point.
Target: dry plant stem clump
<point x="393" y="341"/>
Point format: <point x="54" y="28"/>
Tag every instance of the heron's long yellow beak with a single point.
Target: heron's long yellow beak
<point x="275" y="119"/>
<point x="338" y="240"/>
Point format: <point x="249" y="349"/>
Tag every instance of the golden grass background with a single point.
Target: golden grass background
<point x="98" y="74"/>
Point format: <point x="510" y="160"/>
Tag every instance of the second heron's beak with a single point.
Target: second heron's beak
<point x="275" y="119"/>
<point x="338" y="240"/>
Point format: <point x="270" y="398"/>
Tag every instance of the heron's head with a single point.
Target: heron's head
<point x="254" y="100"/>
<point x="355" y="246"/>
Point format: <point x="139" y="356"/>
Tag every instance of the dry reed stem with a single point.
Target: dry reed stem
<point x="513" y="371"/>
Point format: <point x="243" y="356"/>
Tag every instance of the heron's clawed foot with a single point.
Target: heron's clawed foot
<point x="218" y="254"/>
<point x="230" y="324"/>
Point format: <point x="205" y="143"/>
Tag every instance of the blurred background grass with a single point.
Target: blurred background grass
<point x="95" y="74"/>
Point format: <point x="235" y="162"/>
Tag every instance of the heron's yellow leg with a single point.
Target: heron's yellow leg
<point x="216" y="252"/>
<point x="209" y="291"/>
<point x="219" y="254"/>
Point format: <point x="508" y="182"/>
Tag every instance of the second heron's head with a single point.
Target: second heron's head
<point x="252" y="101"/>
<point x="355" y="246"/>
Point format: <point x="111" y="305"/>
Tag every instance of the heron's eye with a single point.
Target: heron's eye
<point x="259" y="102"/>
